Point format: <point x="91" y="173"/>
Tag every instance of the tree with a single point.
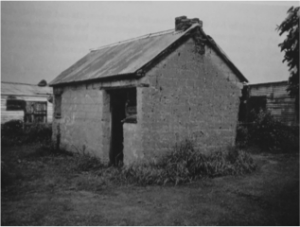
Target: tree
<point x="291" y="48"/>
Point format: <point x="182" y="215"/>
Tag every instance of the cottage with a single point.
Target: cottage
<point x="26" y="102"/>
<point x="274" y="98"/>
<point x="135" y="99"/>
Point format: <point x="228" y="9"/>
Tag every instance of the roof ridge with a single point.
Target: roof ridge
<point x="136" y="38"/>
<point x="9" y="82"/>
<point x="270" y="82"/>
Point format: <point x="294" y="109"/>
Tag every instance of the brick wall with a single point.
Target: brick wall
<point x="191" y="96"/>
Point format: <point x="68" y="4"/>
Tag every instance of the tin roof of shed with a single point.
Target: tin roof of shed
<point x="21" y="89"/>
<point x="127" y="57"/>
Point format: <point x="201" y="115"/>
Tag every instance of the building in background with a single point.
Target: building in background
<point x="134" y="100"/>
<point x="274" y="98"/>
<point x="26" y="102"/>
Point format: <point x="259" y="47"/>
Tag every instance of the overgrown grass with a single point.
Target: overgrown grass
<point x="84" y="172"/>
<point x="185" y="164"/>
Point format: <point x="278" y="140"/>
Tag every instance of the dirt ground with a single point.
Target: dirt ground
<point x="47" y="194"/>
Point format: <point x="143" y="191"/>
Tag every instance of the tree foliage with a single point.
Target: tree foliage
<point x="291" y="48"/>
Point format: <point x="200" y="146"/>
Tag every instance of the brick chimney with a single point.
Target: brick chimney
<point x="183" y="23"/>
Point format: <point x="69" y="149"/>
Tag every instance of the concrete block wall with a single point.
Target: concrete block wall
<point x="191" y="96"/>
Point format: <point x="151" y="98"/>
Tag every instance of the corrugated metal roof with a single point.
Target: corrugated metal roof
<point x="10" y="88"/>
<point x="125" y="58"/>
<point x="119" y="59"/>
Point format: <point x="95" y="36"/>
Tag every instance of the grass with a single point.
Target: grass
<point x="60" y="188"/>
<point x="184" y="164"/>
<point x="57" y="188"/>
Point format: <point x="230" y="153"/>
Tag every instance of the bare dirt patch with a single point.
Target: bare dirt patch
<point x="46" y="190"/>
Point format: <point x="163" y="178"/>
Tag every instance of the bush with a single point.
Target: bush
<point x="14" y="133"/>
<point x="268" y="134"/>
<point x="13" y="127"/>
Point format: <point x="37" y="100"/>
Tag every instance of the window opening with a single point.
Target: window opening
<point x="35" y="112"/>
<point x="130" y="106"/>
<point x="15" y="104"/>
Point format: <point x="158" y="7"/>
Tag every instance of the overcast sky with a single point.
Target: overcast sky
<point x="41" y="39"/>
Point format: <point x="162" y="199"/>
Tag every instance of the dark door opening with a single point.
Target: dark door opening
<point x="117" y="105"/>
<point x="123" y="110"/>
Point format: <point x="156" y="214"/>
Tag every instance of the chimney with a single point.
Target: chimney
<point x="183" y="23"/>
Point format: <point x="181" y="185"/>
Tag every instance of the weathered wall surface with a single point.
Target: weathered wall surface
<point x="133" y="146"/>
<point x="133" y="151"/>
<point x="279" y="103"/>
<point x="191" y="96"/>
<point x="80" y="127"/>
<point x="7" y="115"/>
<point x="85" y="123"/>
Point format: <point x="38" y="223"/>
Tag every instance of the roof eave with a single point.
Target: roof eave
<point x="102" y="79"/>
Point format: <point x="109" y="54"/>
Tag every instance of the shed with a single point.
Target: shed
<point x="26" y="102"/>
<point x="134" y="100"/>
<point x="273" y="97"/>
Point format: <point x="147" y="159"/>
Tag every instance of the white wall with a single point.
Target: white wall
<point x="7" y="115"/>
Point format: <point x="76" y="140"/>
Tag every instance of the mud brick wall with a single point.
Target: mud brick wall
<point x="85" y="123"/>
<point x="81" y="123"/>
<point x="191" y="96"/>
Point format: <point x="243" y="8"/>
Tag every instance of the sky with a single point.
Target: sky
<point x="39" y="40"/>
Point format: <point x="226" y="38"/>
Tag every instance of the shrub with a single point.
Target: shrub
<point x="13" y="127"/>
<point x="268" y="134"/>
<point x="14" y="133"/>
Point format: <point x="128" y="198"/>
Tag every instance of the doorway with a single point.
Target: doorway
<point x="123" y="110"/>
<point x="117" y="106"/>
